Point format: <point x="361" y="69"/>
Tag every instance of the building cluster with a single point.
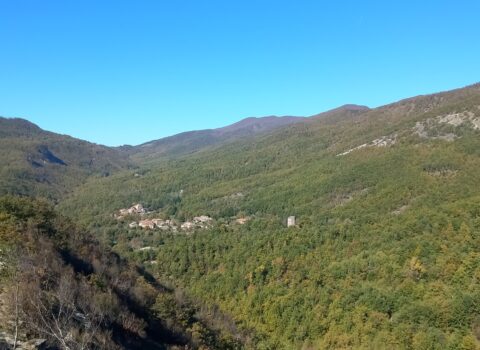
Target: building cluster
<point x="198" y="222"/>
<point x="164" y="225"/>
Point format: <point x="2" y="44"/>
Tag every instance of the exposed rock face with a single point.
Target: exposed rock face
<point x="424" y="131"/>
<point x="383" y="141"/>
<point x="428" y="129"/>
<point x="457" y="119"/>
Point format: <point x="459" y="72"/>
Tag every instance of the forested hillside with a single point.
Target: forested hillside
<point x="299" y="169"/>
<point x="41" y="163"/>
<point x="385" y="250"/>
<point x="61" y="289"/>
<point x="192" y="141"/>
<point x="322" y="190"/>
<point x="36" y="162"/>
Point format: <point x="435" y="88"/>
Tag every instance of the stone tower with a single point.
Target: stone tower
<point x="291" y="221"/>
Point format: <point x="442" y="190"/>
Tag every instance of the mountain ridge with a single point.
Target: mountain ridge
<point x="186" y="142"/>
<point x="196" y="140"/>
<point x="40" y="160"/>
<point x="43" y="163"/>
<point x="189" y="142"/>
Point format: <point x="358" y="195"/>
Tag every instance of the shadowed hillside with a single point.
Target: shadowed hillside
<point x="61" y="289"/>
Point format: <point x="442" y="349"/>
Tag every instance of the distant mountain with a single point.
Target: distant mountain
<point x="344" y="112"/>
<point x="43" y="163"/>
<point x="17" y="127"/>
<point x="254" y="125"/>
<point x="193" y="141"/>
<point x="37" y="162"/>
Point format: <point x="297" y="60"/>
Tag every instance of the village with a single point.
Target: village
<point x="197" y="223"/>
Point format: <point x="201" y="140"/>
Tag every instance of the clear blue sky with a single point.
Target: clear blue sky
<point x="125" y="72"/>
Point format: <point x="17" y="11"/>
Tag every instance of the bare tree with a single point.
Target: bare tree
<point x="16" y="321"/>
<point x="10" y="293"/>
<point x="56" y="304"/>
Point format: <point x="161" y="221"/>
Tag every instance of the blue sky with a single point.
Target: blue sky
<point x="125" y="72"/>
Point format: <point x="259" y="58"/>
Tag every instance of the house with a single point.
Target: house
<point x="202" y="219"/>
<point x="242" y="221"/>
<point x="158" y="222"/>
<point x="188" y="225"/>
<point x="136" y="209"/>
<point x="146" y="224"/>
<point x="124" y="212"/>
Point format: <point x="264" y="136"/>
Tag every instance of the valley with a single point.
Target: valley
<point x="384" y="249"/>
<point x="239" y="175"/>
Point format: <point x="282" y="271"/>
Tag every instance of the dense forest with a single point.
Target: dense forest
<point x="384" y="252"/>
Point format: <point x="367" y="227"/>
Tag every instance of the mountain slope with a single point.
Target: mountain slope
<point x="41" y="163"/>
<point x="193" y="141"/>
<point x="344" y="112"/>
<point x="259" y="166"/>
<point x="385" y="252"/>
<point x="38" y="162"/>
<point x="61" y="288"/>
